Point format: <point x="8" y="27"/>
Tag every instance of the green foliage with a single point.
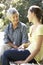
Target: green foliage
<point x="1" y="9"/>
<point x="22" y="6"/>
<point x="1" y="14"/>
<point x="35" y="2"/>
<point x="3" y="23"/>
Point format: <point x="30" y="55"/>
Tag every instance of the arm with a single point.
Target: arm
<point x="33" y="54"/>
<point x="38" y="44"/>
<point x="24" y="37"/>
<point x="24" y="45"/>
<point x="12" y="45"/>
<point x="7" y="39"/>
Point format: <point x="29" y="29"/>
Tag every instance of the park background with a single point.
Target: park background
<point x="22" y="6"/>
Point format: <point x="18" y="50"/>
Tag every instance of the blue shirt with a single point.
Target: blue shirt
<point x="16" y="36"/>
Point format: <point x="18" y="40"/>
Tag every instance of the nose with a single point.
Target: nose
<point x="27" y="16"/>
<point x="15" y="17"/>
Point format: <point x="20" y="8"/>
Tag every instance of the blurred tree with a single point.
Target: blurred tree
<point x="42" y="4"/>
<point x="22" y="6"/>
<point x="35" y="2"/>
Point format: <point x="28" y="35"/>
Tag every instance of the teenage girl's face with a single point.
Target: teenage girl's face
<point x="14" y="18"/>
<point x="30" y="16"/>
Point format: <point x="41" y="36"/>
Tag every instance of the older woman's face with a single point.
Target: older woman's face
<point x="14" y="18"/>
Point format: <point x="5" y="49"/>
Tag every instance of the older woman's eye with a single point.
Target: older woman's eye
<point x="16" y="15"/>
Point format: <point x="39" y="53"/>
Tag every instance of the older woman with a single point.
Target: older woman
<point x="34" y="52"/>
<point x="15" y="32"/>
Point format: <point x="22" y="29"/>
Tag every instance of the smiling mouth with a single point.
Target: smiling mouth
<point x="15" y="20"/>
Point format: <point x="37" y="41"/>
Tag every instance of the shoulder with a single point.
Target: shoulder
<point x="40" y="30"/>
<point x="23" y="24"/>
<point x="8" y="26"/>
<point x="40" y="27"/>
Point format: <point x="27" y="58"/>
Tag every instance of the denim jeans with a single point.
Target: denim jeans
<point x="15" y="55"/>
<point x="0" y="60"/>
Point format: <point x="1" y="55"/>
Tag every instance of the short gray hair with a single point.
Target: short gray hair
<point x="11" y="11"/>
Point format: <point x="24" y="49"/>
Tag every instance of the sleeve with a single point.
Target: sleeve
<point x="6" y="37"/>
<point x="24" y="35"/>
<point x="40" y="30"/>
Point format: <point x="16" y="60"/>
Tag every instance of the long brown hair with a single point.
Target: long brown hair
<point x="38" y="11"/>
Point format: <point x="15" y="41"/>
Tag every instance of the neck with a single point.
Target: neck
<point x="36" y="21"/>
<point x="15" y="25"/>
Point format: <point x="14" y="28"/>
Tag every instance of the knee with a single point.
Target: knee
<point x="5" y="54"/>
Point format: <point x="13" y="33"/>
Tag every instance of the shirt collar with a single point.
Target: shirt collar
<point x="11" y="25"/>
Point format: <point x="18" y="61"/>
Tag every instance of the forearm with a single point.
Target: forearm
<point x="36" y="50"/>
<point x="31" y="56"/>
<point x="12" y="45"/>
<point x="24" y="45"/>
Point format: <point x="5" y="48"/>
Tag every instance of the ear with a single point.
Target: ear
<point x="33" y="15"/>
